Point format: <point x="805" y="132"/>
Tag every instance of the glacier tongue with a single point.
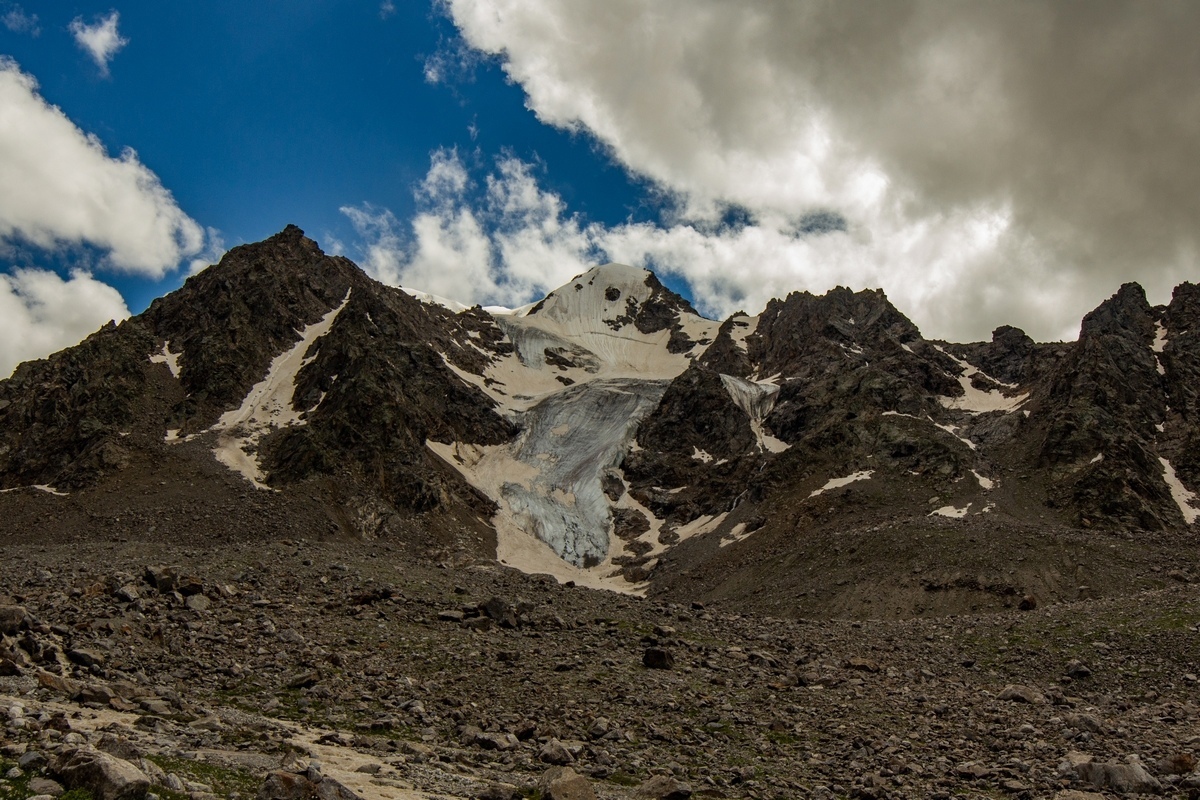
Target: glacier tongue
<point x="570" y="439"/>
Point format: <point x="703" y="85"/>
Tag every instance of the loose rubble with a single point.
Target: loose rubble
<point x="329" y="670"/>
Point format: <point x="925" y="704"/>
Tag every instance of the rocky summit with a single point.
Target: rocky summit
<point x="292" y="533"/>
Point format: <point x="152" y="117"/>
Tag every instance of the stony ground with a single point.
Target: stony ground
<point x="406" y="677"/>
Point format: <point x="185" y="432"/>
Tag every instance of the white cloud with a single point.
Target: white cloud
<point x="212" y="253"/>
<point x="41" y="313"/>
<point x="511" y="244"/>
<point x="17" y="21"/>
<point x="513" y="241"/>
<point x="100" y="40"/>
<point x="61" y="188"/>
<point x="997" y="162"/>
<point x="386" y="9"/>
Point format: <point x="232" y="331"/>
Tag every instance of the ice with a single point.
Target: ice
<point x="268" y="406"/>
<point x="168" y="358"/>
<point x="977" y="401"/>
<point x="548" y="479"/>
<point x="837" y="483"/>
<point x="1184" y="497"/>
<point x="757" y="399"/>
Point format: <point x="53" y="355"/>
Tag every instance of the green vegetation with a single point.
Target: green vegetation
<point x="223" y="780"/>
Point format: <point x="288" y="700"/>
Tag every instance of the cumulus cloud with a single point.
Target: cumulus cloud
<point x="386" y="9"/>
<point x="62" y="188"/>
<point x="100" y="40"/>
<point x="40" y="312"/>
<point x="18" y="21"/>
<point x="505" y="240"/>
<point x="502" y="247"/>
<point x="993" y="162"/>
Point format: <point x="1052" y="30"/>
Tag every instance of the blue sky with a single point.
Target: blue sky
<point x="256" y="115"/>
<point x="983" y="163"/>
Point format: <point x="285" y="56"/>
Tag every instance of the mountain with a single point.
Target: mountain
<point x="821" y="457"/>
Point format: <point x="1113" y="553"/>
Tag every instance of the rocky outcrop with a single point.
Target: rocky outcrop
<point x="1103" y="405"/>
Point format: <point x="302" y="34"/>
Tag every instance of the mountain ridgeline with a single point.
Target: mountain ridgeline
<point x="821" y="457"/>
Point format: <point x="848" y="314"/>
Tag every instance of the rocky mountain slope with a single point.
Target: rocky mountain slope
<point x="819" y="458"/>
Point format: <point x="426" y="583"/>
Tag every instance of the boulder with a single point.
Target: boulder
<point x="658" y="658"/>
<point x="555" y="752"/>
<point x="1022" y="694"/>
<point x="13" y="619"/>
<point x="564" y="783"/>
<point x="106" y="777"/>
<point x="663" y="787"/>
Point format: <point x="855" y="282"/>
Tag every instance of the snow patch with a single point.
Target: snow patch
<point x="165" y="356"/>
<point x="951" y="511"/>
<point x="977" y="401"/>
<point x="576" y="335"/>
<point x="1184" y="497"/>
<point x="1096" y="459"/>
<point x="987" y="484"/>
<point x="736" y="534"/>
<point x="701" y="456"/>
<point x="268" y="406"/>
<point x="435" y="300"/>
<point x="950" y="429"/>
<point x="706" y="523"/>
<point x="953" y="431"/>
<point x="41" y="487"/>
<point x="1160" y="338"/>
<point x="837" y="483"/>
<point x="741" y="329"/>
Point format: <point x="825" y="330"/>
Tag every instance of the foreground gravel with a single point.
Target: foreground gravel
<point x="456" y="678"/>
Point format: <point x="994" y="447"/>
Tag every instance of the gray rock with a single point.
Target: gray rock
<point x="1022" y="694"/>
<point x="162" y="578"/>
<point x="128" y="593"/>
<point x="12" y="619"/>
<point x="1084" y="722"/>
<point x="663" y="787"/>
<point x="282" y="785"/>
<point x="198" y="602"/>
<point x="564" y="783"/>
<point x="555" y="752"/>
<point x="1077" y="669"/>
<point x="106" y="777"/>
<point x="1128" y="778"/>
<point x="501" y="611"/>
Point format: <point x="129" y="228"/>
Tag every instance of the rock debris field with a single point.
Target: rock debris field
<point x="299" y="669"/>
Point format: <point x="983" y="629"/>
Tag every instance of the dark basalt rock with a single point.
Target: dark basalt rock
<point x="1106" y="399"/>
<point x="697" y="413"/>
